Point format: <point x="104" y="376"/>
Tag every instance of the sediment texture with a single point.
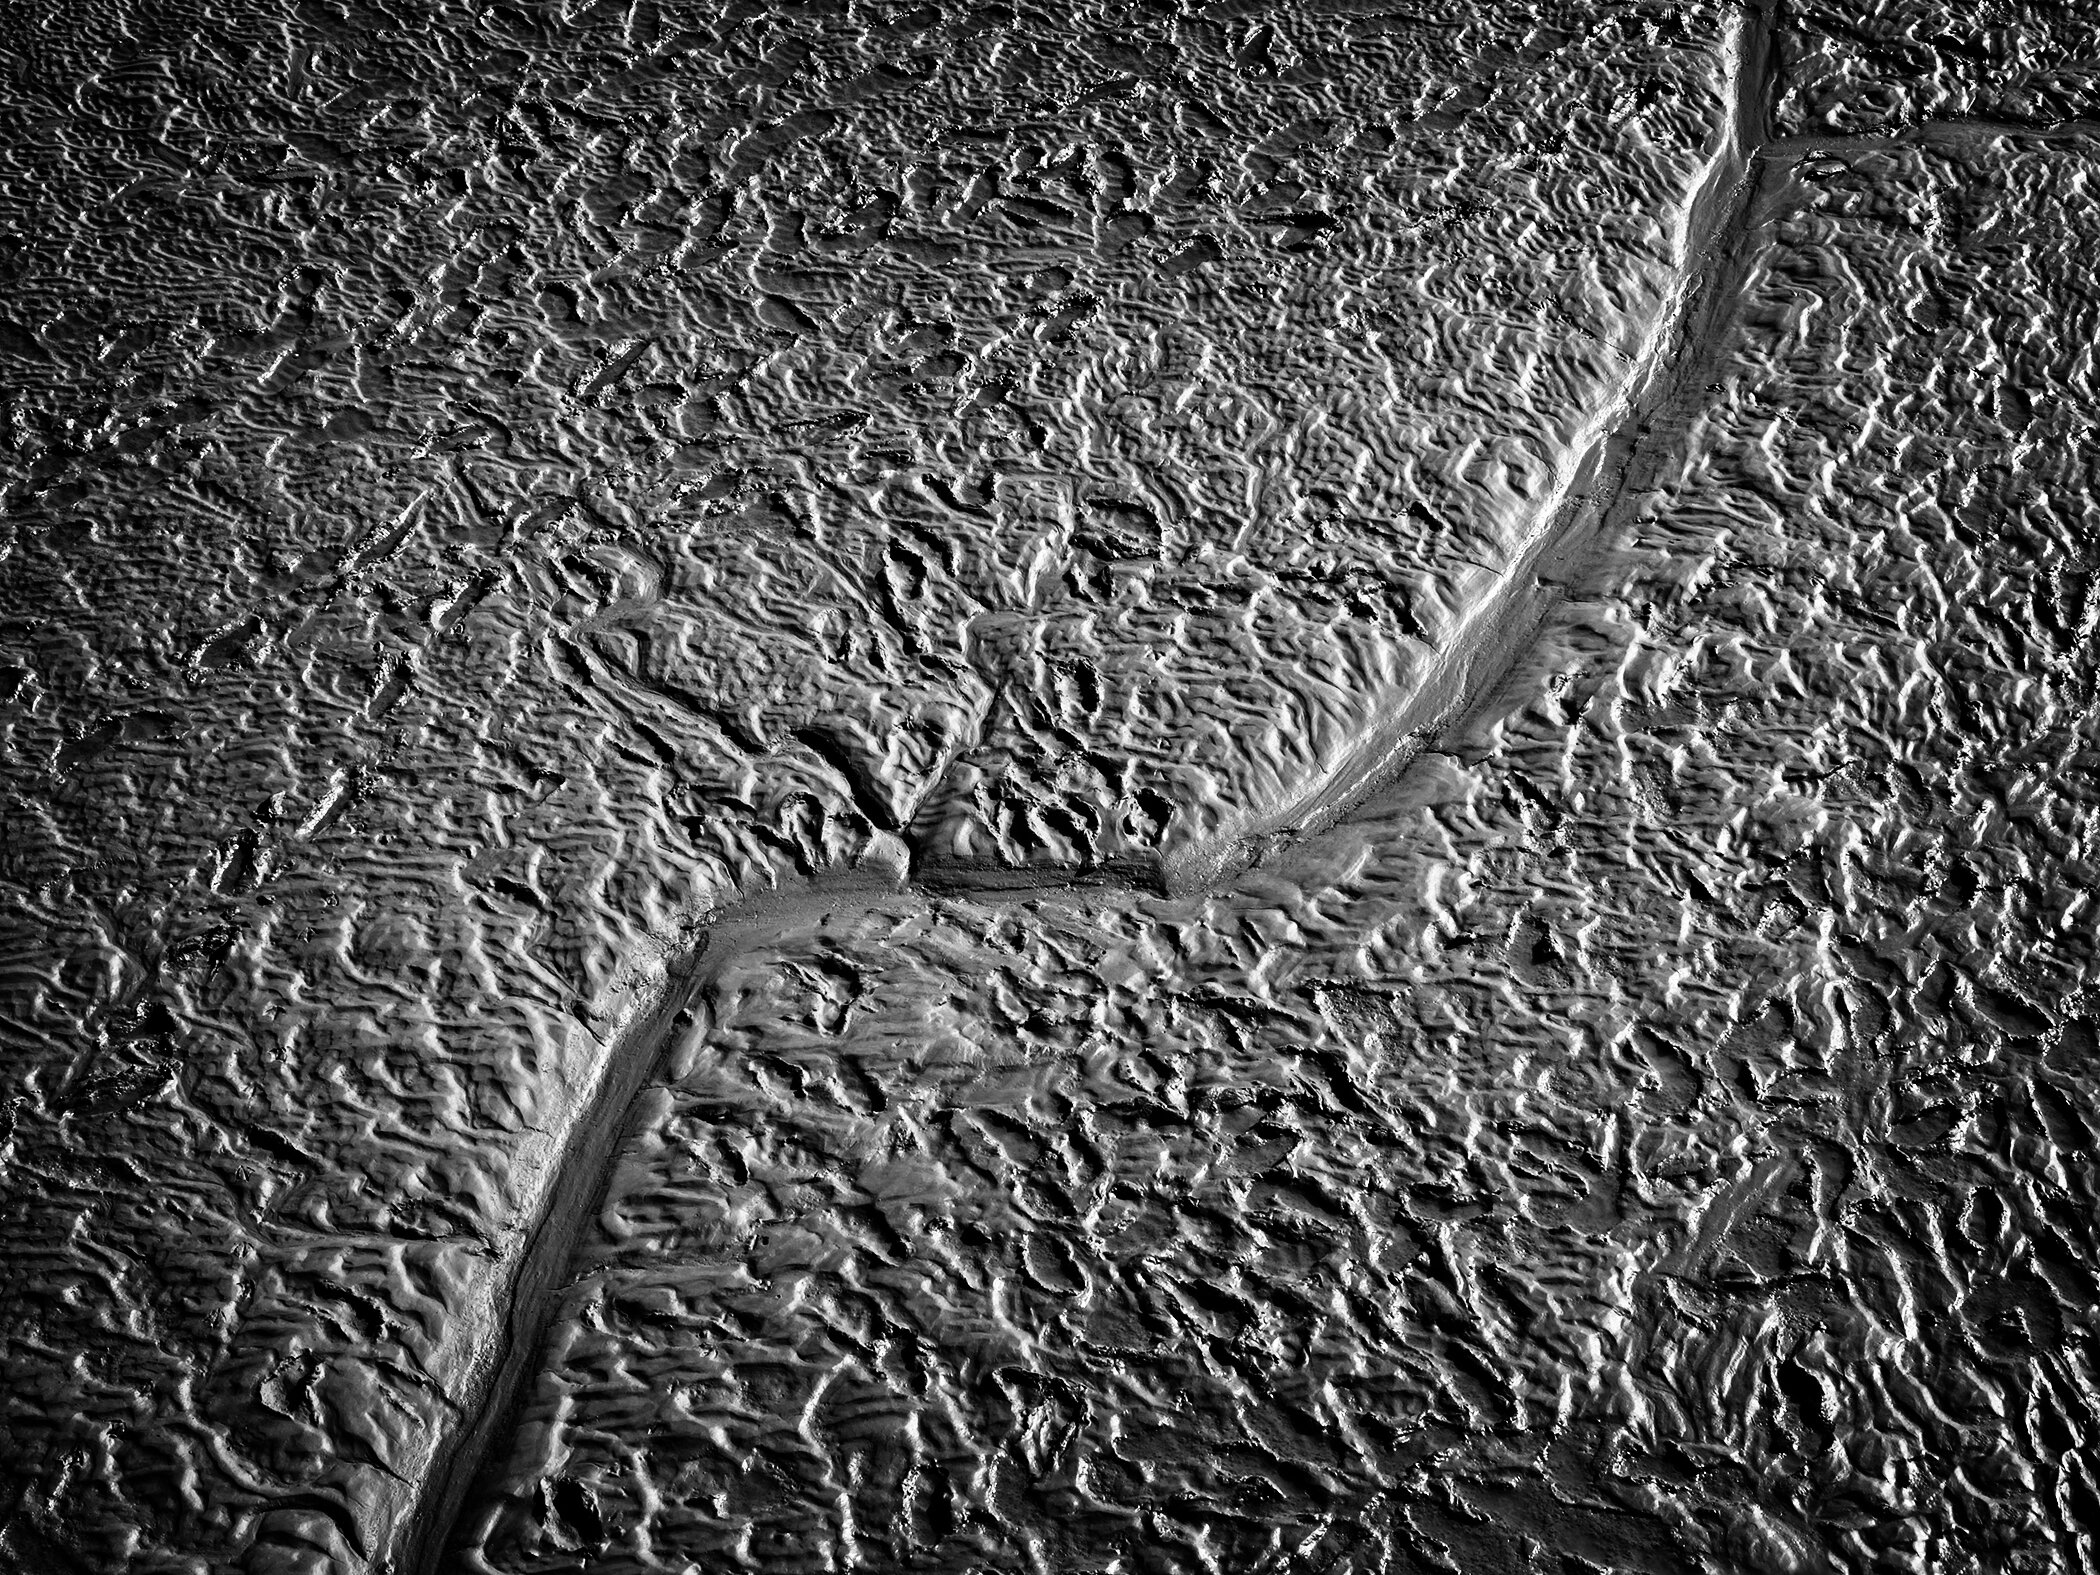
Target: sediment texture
<point x="1268" y="788"/>
<point x="1658" y="1135"/>
<point x="1889" y="65"/>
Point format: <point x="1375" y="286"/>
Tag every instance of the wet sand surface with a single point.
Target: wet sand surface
<point x="1103" y="789"/>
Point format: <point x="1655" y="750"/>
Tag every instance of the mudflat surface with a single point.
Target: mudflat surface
<point x="1104" y="789"/>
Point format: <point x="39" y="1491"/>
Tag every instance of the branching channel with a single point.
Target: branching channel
<point x="1635" y="440"/>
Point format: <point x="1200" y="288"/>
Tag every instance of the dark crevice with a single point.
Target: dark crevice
<point x="579" y="1184"/>
<point x="1615" y="476"/>
<point x="1730" y="217"/>
<point x="634" y="1062"/>
<point x="1006" y="884"/>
